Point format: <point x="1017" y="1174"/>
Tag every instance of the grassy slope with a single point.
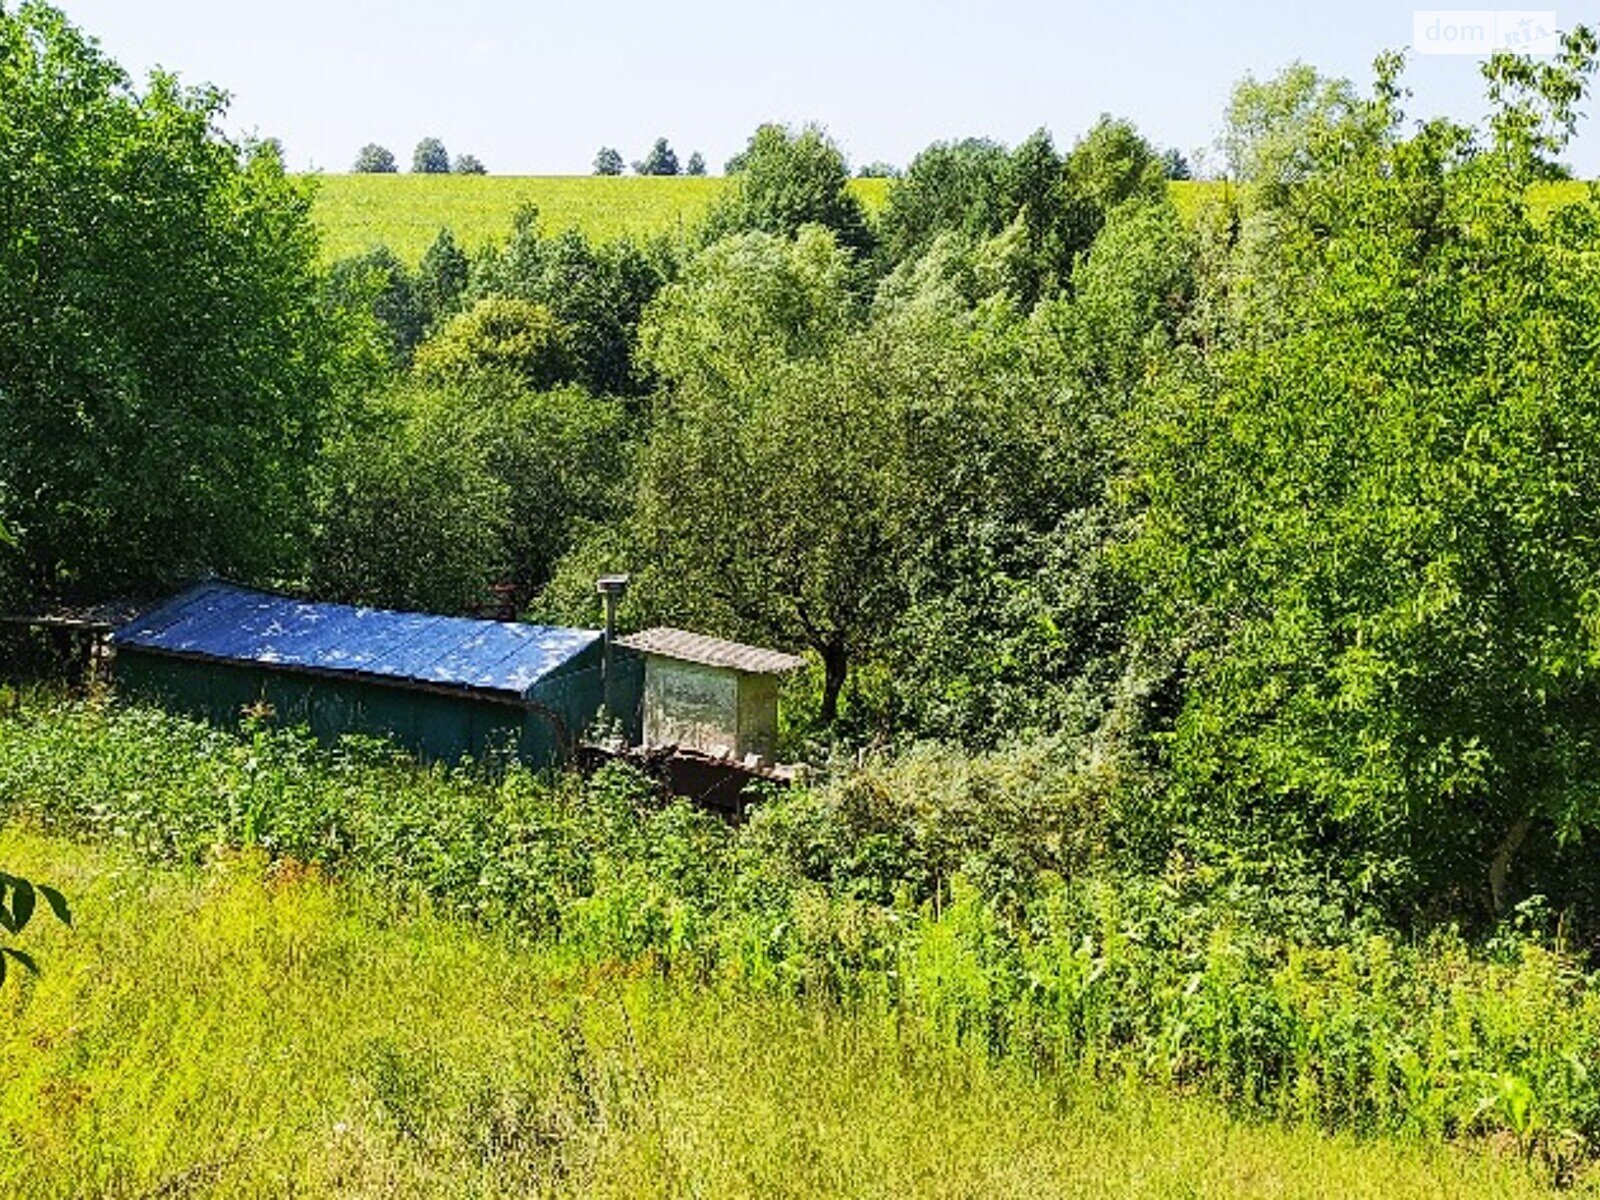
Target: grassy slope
<point x="406" y="212"/>
<point x="1542" y="198"/>
<point x="248" y="1033"/>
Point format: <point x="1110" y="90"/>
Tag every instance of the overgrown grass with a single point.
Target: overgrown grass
<point x="970" y="900"/>
<point x="248" y="1029"/>
<point x="406" y="212"/>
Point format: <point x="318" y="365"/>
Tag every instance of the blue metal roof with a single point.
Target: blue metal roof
<point x="219" y="620"/>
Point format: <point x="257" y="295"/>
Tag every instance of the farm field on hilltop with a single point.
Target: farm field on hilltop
<point x="250" y="1030"/>
<point x="1190" y="196"/>
<point x="406" y="212"/>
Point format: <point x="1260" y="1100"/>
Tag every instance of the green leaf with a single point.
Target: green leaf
<point x="21" y="956"/>
<point x="57" y="903"/>
<point x="8" y="922"/>
<point x="22" y="904"/>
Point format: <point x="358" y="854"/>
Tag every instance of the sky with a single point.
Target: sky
<point x="535" y="88"/>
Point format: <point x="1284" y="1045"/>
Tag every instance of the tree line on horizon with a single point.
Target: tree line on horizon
<point x="429" y="158"/>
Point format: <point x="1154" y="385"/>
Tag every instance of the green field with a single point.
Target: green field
<point x="406" y="212"/>
<point x="1543" y="198"/>
<point x="248" y="1030"/>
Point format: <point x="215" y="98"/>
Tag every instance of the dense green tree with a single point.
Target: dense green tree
<point x="1022" y="426"/>
<point x="165" y="369"/>
<point x="1279" y="131"/>
<point x="1008" y="619"/>
<point x="951" y="187"/>
<point x="564" y="458"/>
<point x="766" y="495"/>
<point x="1175" y="165"/>
<point x="596" y="291"/>
<point x="441" y="279"/>
<point x="1034" y="191"/>
<point x="747" y="302"/>
<point x="697" y="164"/>
<point x="878" y="170"/>
<point x="430" y="157"/>
<point x="787" y="179"/>
<point x="1110" y="165"/>
<point x="469" y="164"/>
<point x="1133" y="304"/>
<point x="1041" y="209"/>
<point x="378" y="285"/>
<point x="374" y="160"/>
<point x="608" y="162"/>
<point x="1368" y="548"/>
<point x="409" y="514"/>
<point x="660" y="161"/>
<point x="498" y="335"/>
<point x="451" y="483"/>
<point x="876" y="486"/>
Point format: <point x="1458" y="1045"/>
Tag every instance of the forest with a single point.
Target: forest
<point x="1202" y="611"/>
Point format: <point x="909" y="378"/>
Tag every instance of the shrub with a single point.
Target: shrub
<point x="499" y="334"/>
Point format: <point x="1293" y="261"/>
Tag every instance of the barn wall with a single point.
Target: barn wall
<point x="573" y="694"/>
<point x="435" y="727"/>
<point x="627" y="693"/>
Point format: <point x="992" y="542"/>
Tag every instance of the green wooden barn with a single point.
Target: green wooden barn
<point x="444" y="687"/>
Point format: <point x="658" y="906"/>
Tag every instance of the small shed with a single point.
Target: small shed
<point x="444" y="687"/>
<point x="75" y="636"/>
<point x="703" y="693"/>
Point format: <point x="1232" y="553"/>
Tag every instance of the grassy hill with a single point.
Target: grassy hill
<point x="406" y="212"/>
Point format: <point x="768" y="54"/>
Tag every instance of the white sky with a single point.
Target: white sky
<point x="537" y="88"/>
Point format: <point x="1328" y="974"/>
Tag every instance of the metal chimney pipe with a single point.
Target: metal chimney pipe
<point x="612" y="588"/>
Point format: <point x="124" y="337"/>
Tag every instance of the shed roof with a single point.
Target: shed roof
<point x="98" y="618"/>
<point x="710" y="651"/>
<point x="221" y="621"/>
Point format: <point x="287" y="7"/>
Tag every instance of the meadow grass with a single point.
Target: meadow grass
<point x="1190" y="197"/>
<point x="406" y="212"/>
<point x="249" y="1029"/>
<point x="961" y="897"/>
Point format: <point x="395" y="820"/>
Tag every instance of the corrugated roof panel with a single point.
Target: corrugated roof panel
<point x="711" y="651"/>
<point x="223" y="621"/>
<point x="296" y="633"/>
<point x="554" y="645"/>
<point x="163" y="618"/>
<point x="498" y="651"/>
<point x="371" y="633"/>
<point x="217" y="622"/>
<point x="414" y="658"/>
